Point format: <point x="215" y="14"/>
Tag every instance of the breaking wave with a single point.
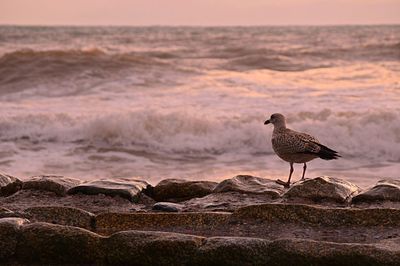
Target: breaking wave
<point x="364" y="135"/>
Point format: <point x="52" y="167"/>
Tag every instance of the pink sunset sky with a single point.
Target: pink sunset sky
<point x="199" y="12"/>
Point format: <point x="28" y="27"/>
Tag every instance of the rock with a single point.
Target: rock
<point x="322" y="189"/>
<point x="233" y="251"/>
<point x="108" y="223"/>
<point x="57" y="184"/>
<point x="167" y="207"/>
<point x="4" y="213"/>
<point x="322" y="216"/>
<point x="9" y="185"/>
<point x="176" y="190"/>
<point x="151" y="248"/>
<point x="124" y="187"/>
<point x="309" y="252"/>
<point x="384" y="190"/>
<point x="250" y="184"/>
<point x="227" y="201"/>
<point x="254" y="251"/>
<point x="43" y="243"/>
<point x="9" y="233"/>
<point x="5" y="210"/>
<point x="62" y="215"/>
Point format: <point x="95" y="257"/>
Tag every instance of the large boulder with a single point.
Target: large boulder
<point x="176" y="190"/>
<point x="9" y="185"/>
<point x="50" y="244"/>
<point x="322" y="189"/>
<point x="62" y="215"/>
<point x="124" y="187"/>
<point x="9" y="233"/>
<point x="57" y="184"/>
<point x="384" y="190"/>
<point x="250" y="185"/>
<point x="151" y="248"/>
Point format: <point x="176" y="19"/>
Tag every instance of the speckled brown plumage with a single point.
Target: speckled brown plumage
<point x="296" y="147"/>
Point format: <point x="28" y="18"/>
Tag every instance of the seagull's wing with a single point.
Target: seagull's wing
<point x="310" y="145"/>
<point x="292" y="142"/>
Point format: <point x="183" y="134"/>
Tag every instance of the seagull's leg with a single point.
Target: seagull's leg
<point x="286" y="184"/>
<point x="304" y="171"/>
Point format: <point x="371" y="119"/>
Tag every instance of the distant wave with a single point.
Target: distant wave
<point x="374" y="134"/>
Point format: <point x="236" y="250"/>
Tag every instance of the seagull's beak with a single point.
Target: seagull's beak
<point x="267" y="122"/>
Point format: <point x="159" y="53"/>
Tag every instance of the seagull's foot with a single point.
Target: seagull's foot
<point x="283" y="183"/>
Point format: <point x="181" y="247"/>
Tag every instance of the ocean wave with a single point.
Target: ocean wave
<point x="30" y="65"/>
<point x="373" y="134"/>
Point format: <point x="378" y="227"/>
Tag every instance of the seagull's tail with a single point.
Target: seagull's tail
<point x="326" y="153"/>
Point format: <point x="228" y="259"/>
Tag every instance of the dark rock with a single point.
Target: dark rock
<point x="57" y="184"/>
<point x="309" y="252"/>
<point x="108" y="223"/>
<point x="254" y="251"/>
<point x="9" y="233"/>
<point x="151" y="248"/>
<point x="9" y="185"/>
<point x="322" y="189"/>
<point x="233" y="251"/>
<point x="323" y="216"/>
<point x="384" y="190"/>
<point x="227" y="201"/>
<point x="250" y="184"/>
<point x="167" y="207"/>
<point x="124" y="187"/>
<point x="43" y="243"/>
<point x="62" y="215"/>
<point x="176" y="190"/>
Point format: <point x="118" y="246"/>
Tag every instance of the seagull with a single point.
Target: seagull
<point x="296" y="147"/>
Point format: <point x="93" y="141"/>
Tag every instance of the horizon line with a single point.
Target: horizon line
<point x="198" y="25"/>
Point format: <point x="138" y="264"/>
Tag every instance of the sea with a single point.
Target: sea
<point x="190" y="102"/>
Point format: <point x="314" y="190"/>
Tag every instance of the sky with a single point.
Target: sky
<point x="199" y="12"/>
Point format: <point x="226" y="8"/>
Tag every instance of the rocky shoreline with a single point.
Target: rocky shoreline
<point x="244" y="220"/>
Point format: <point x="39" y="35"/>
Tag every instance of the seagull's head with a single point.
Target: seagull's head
<point x="277" y="120"/>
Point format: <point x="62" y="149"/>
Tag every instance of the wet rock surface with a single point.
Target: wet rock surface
<point x="322" y="189"/>
<point x="384" y="190"/>
<point x="57" y="184"/>
<point x="250" y="185"/>
<point x="9" y="185"/>
<point x="176" y="190"/>
<point x="123" y="187"/>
